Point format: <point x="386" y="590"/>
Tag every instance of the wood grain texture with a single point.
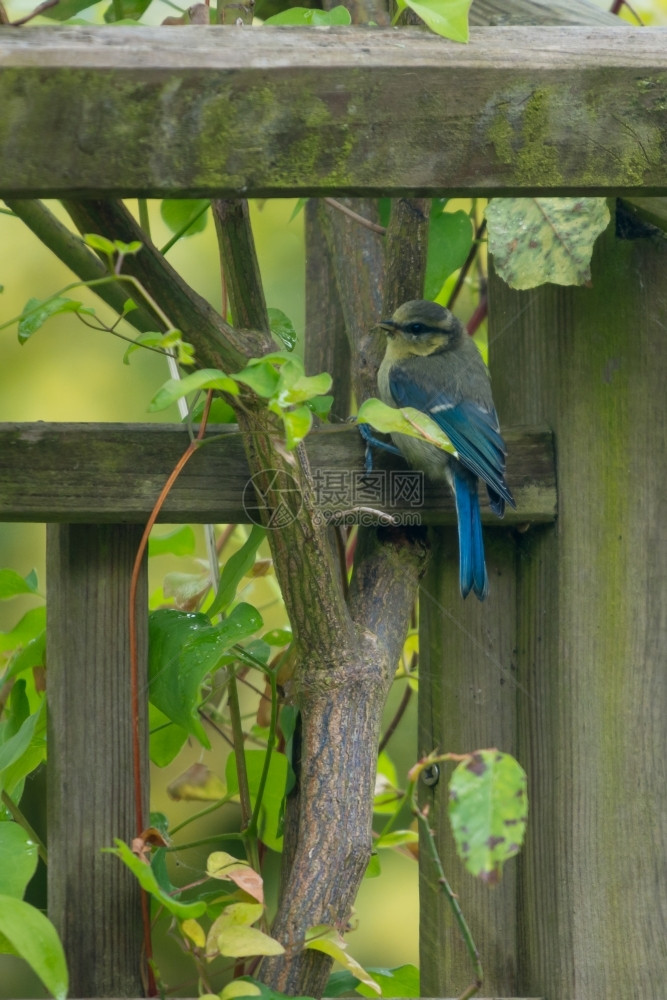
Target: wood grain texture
<point x="135" y="111"/>
<point x="592" y="626"/>
<point x="93" y="898"/>
<point x="114" y="473"/>
<point x="467" y="701"/>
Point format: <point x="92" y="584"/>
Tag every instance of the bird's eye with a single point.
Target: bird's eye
<point x="417" y="328"/>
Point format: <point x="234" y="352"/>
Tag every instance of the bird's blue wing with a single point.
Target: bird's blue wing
<point x="472" y="429"/>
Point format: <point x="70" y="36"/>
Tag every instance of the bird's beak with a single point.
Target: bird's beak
<point x="388" y="326"/>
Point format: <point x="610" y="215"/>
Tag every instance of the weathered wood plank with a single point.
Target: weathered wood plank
<point x="114" y="473"/>
<point x="141" y="111"/>
<point x="93" y="898"/>
<point x="592" y="625"/>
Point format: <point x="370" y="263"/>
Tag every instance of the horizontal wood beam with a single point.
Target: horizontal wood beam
<point x="276" y="112"/>
<point x="114" y="473"/>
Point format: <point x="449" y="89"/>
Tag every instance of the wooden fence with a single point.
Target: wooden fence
<point x="565" y="666"/>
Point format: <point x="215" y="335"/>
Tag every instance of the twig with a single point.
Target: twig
<point x="393" y="725"/>
<point x="463" y="273"/>
<point x="34" y="13"/>
<point x="422" y="820"/>
<point x="373" y="226"/>
<point x="134" y="675"/>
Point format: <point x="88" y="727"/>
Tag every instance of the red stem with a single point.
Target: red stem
<point x="134" y="673"/>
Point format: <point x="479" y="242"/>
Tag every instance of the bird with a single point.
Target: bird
<point x="433" y="365"/>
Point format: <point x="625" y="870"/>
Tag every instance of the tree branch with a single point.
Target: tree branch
<point x="216" y="343"/>
<point x="73" y="252"/>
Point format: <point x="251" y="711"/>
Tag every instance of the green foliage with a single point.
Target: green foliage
<point x="18" y="859"/>
<point x="183" y="650"/>
<point x="12" y="583"/>
<point x="306" y="16"/>
<point x="450" y="237"/>
<point x="539" y="240"/>
<point x="389" y="420"/>
<point x="36" y="313"/>
<point x="488" y="810"/>
<point x="282" y="327"/>
<point x="184" y="216"/>
<point x="140" y="867"/>
<point x="26" y="932"/>
<point x="448" y="18"/>
<point x="236" y="567"/>
<point x="268" y="789"/>
<point x="400" y="982"/>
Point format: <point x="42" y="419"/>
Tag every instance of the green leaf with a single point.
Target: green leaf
<point x="24" y="751"/>
<point x="448" y="18"/>
<point x="373" y="868"/>
<point x="206" y="378"/>
<point x="219" y="412"/>
<point x="278" y="637"/>
<point x="185" y="216"/>
<point x="66" y="9"/>
<point x="29" y="627"/>
<point x="450" y="236"/>
<point x="128" y="249"/>
<point x="100" y="243"/>
<point x="183" y="649"/>
<point x="328" y="940"/>
<point x="389" y="420"/>
<point x="400" y="982"/>
<point x="538" y="240"/>
<point x="488" y="809"/>
<point x="179" y="542"/>
<point x="231" y="934"/>
<point x="304" y="16"/>
<point x="387" y="797"/>
<point x="282" y="327"/>
<point x="26" y="932"/>
<point x="12" y="583"/>
<point x="235" y="569"/>
<point x="297" y="424"/>
<point x="299" y="206"/>
<point x="18" y="859"/>
<point x="397" y="838"/>
<point x="270" y="819"/>
<point x="296" y="387"/>
<point x="151" y="338"/>
<point x="261" y="377"/>
<point x="29" y="656"/>
<point x="131" y="10"/>
<point x="320" y="406"/>
<point x="236" y="989"/>
<point x="147" y="881"/>
<point x="166" y="739"/>
<point x="36" y="312"/>
<point x="254" y="989"/>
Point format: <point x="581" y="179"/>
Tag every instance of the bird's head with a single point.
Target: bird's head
<point x="421" y="327"/>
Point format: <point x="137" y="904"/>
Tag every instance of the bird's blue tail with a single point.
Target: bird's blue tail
<point x="472" y="568"/>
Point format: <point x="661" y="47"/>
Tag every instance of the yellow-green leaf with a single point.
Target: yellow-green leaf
<point x="389" y="420"/>
<point x="327" y="939"/>
<point x="194" y="930"/>
<point x="241" y="942"/>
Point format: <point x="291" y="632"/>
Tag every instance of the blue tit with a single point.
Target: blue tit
<point x="433" y="365"/>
